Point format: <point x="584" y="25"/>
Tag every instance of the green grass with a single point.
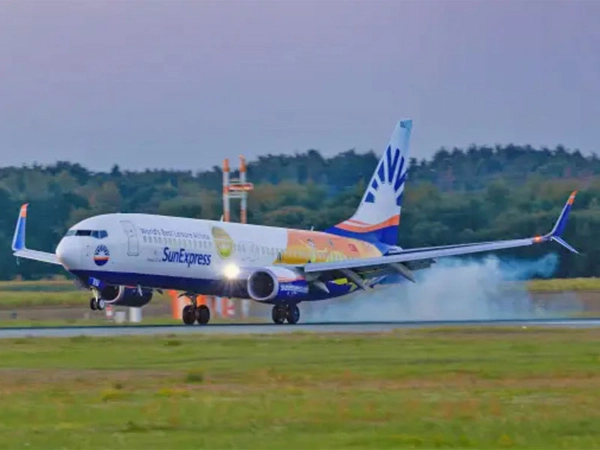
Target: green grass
<point x="58" y="284"/>
<point x="550" y="285"/>
<point x="96" y="320"/>
<point x="466" y="388"/>
<point x="565" y="284"/>
<point x="22" y="298"/>
<point x="17" y="294"/>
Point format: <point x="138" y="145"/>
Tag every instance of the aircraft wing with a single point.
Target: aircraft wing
<point x="356" y="266"/>
<point x="18" y="243"/>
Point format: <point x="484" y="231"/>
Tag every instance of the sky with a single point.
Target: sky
<point x="183" y="84"/>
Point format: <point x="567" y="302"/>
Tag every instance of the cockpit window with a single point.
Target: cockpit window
<point x="98" y="234"/>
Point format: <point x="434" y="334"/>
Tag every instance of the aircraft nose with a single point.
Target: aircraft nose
<point x="67" y="253"/>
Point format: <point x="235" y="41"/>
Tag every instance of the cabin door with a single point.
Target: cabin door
<point x="133" y="244"/>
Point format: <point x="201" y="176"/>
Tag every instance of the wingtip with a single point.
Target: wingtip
<point x="23" y="212"/>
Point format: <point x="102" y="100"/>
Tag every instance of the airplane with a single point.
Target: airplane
<point x="123" y="258"/>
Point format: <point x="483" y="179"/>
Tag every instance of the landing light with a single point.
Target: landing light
<point x="231" y="271"/>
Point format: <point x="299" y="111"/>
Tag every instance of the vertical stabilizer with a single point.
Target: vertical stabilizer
<point x="378" y="215"/>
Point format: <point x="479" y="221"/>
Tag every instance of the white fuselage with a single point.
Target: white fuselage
<point x="191" y="254"/>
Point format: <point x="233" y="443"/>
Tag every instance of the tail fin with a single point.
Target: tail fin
<point x="378" y="215"/>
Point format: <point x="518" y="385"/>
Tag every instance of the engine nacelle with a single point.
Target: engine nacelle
<point x="126" y="296"/>
<point x="277" y="284"/>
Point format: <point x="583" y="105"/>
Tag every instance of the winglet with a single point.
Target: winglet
<point x="564" y="244"/>
<point x="559" y="227"/>
<point x="18" y="242"/>
<point x="561" y="223"/>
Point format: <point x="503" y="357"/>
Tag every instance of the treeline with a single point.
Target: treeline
<point x="481" y="193"/>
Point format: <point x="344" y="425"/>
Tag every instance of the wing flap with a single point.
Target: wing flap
<point x="432" y="253"/>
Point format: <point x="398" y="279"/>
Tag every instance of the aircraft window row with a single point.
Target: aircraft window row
<point x="241" y="248"/>
<point x="306" y="254"/>
<point x="98" y="234"/>
<point x="189" y="243"/>
<point x="274" y="252"/>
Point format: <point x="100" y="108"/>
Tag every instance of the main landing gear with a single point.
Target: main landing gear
<point x="282" y="313"/>
<point x="97" y="302"/>
<point x="195" y="313"/>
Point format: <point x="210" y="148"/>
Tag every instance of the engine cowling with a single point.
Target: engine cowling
<point x="126" y="296"/>
<point x="275" y="284"/>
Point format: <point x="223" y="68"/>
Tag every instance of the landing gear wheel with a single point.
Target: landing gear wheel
<point x="292" y="314"/>
<point x="101" y="304"/>
<point x="93" y="304"/>
<point x="188" y="315"/>
<point x="278" y="314"/>
<point x="203" y="314"/>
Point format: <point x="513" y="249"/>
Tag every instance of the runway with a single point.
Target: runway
<point x="257" y="329"/>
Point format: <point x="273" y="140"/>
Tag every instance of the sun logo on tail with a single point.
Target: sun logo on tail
<point x="388" y="173"/>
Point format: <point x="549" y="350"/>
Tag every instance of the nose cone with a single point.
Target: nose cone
<point x="67" y="253"/>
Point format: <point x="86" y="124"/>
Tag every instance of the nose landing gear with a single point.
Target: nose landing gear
<point x="282" y="313"/>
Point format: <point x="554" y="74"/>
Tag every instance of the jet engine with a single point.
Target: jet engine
<point x="277" y="284"/>
<point x="126" y="296"/>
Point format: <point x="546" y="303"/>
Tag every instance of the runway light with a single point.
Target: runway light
<point x="231" y="271"/>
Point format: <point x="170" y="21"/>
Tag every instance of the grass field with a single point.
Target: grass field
<point x="99" y="320"/>
<point x="418" y="389"/>
<point x="565" y="284"/>
<point x="63" y="292"/>
<point x="48" y="293"/>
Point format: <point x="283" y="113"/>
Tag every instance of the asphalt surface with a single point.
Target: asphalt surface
<point x="233" y="329"/>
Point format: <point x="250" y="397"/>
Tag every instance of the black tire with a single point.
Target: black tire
<point x="278" y="314"/>
<point x="188" y="315"/>
<point x="101" y="304"/>
<point x="292" y="314"/>
<point x="93" y="304"/>
<point x="203" y="314"/>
